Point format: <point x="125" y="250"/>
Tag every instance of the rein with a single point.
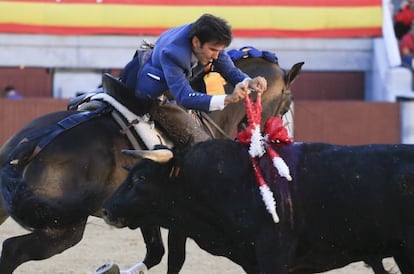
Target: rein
<point x="204" y="116"/>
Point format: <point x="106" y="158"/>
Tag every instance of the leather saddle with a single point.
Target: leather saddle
<point x="125" y="95"/>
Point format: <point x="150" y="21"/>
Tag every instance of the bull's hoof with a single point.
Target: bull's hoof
<point x="109" y="268"/>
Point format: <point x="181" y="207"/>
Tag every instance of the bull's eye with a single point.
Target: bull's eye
<point x="139" y="178"/>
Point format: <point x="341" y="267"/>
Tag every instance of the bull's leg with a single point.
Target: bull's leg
<point x="405" y="257"/>
<point x="38" y="245"/>
<point x="155" y="247"/>
<point x="376" y="264"/>
<point x="176" y="251"/>
<point x="155" y="251"/>
<point x="403" y="262"/>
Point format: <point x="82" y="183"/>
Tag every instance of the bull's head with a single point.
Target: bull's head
<point x="142" y="196"/>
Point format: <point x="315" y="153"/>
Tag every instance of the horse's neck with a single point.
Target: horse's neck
<point x="228" y="120"/>
<point x="209" y="125"/>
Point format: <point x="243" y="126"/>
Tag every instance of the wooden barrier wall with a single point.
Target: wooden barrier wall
<point x="347" y="122"/>
<point x="341" y="122"/>
<point x="16" y="113"/>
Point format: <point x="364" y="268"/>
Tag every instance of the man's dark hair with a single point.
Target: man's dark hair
<point x="210" y="28"/>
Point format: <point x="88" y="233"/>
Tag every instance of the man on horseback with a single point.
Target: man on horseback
<point x="179" y="56"/>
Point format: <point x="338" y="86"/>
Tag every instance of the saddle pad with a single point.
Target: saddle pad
<point x="214" y="83"/>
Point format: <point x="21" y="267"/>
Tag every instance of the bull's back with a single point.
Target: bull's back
<point x="351" y="198"/>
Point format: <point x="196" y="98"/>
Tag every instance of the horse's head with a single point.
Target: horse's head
<point x="278" y="97"/>
<point x="276" y="100"/>
<point x="286" y="96"/>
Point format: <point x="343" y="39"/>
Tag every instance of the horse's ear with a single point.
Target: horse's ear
<point x="127" y="167"/>
<point x="293" y="72"/>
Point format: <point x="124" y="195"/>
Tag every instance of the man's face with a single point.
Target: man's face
<point x="207" y="52"/>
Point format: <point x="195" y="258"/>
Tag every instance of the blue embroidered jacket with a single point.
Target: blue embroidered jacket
<point x="169" y="68"/>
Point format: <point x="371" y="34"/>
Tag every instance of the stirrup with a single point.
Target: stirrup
<point x="139" y="268"/>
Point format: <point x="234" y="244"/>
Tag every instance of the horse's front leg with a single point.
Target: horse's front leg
<point x="155" y="247"/>
<point x="155" y="251"/>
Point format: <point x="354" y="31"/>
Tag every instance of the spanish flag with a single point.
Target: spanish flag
<point x="248" y="18"/>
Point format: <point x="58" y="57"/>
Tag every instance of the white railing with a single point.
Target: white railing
<point x="393" y="54"/>
<point x="388" y="80"/>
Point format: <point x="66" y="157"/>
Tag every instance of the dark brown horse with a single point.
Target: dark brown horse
<point x="52" y="185"/>
<point x="230" y="117"/>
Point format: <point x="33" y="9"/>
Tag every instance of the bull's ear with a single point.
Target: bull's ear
<point x="159" y="155"/>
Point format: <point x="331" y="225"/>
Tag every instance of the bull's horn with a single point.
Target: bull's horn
<point x="158" y="155"/>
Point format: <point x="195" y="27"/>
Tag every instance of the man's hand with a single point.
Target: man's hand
<point x="258" y="84"/>
<point x="240" y="91"/>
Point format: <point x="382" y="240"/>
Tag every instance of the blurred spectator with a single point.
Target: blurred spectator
<point x="11" y="93"/>
<point x="403" y="18"/>
<point x="407" y="49"/>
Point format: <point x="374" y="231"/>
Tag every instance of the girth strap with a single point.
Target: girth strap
<point x="51" y="132"/>
<point x="72" y="121"/>
<point x="126" y="130"/>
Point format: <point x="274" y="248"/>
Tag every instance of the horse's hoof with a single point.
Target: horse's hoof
<point x="109" y="268"/>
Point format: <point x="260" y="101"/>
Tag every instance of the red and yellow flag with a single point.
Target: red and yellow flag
<point x="249" y="18"/>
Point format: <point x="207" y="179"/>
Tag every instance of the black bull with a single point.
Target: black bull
<point x="53" y="193"/>
<point x="345" y="204"/>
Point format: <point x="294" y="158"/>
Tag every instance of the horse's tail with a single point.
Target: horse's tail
<point x="13" y="188"/>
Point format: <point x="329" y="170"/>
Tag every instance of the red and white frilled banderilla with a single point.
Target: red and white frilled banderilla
<point x="275" y="133"/>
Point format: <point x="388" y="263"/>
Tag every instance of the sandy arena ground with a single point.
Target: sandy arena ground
<point x="125" y="247"/>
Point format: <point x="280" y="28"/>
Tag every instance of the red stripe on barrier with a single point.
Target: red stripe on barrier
<point x="322" y="33"/>
<point x="299" y="3"/>
<point x="333" y="33"/>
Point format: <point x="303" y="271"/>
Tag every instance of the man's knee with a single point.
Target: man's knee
<point x="178" y="124"/>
